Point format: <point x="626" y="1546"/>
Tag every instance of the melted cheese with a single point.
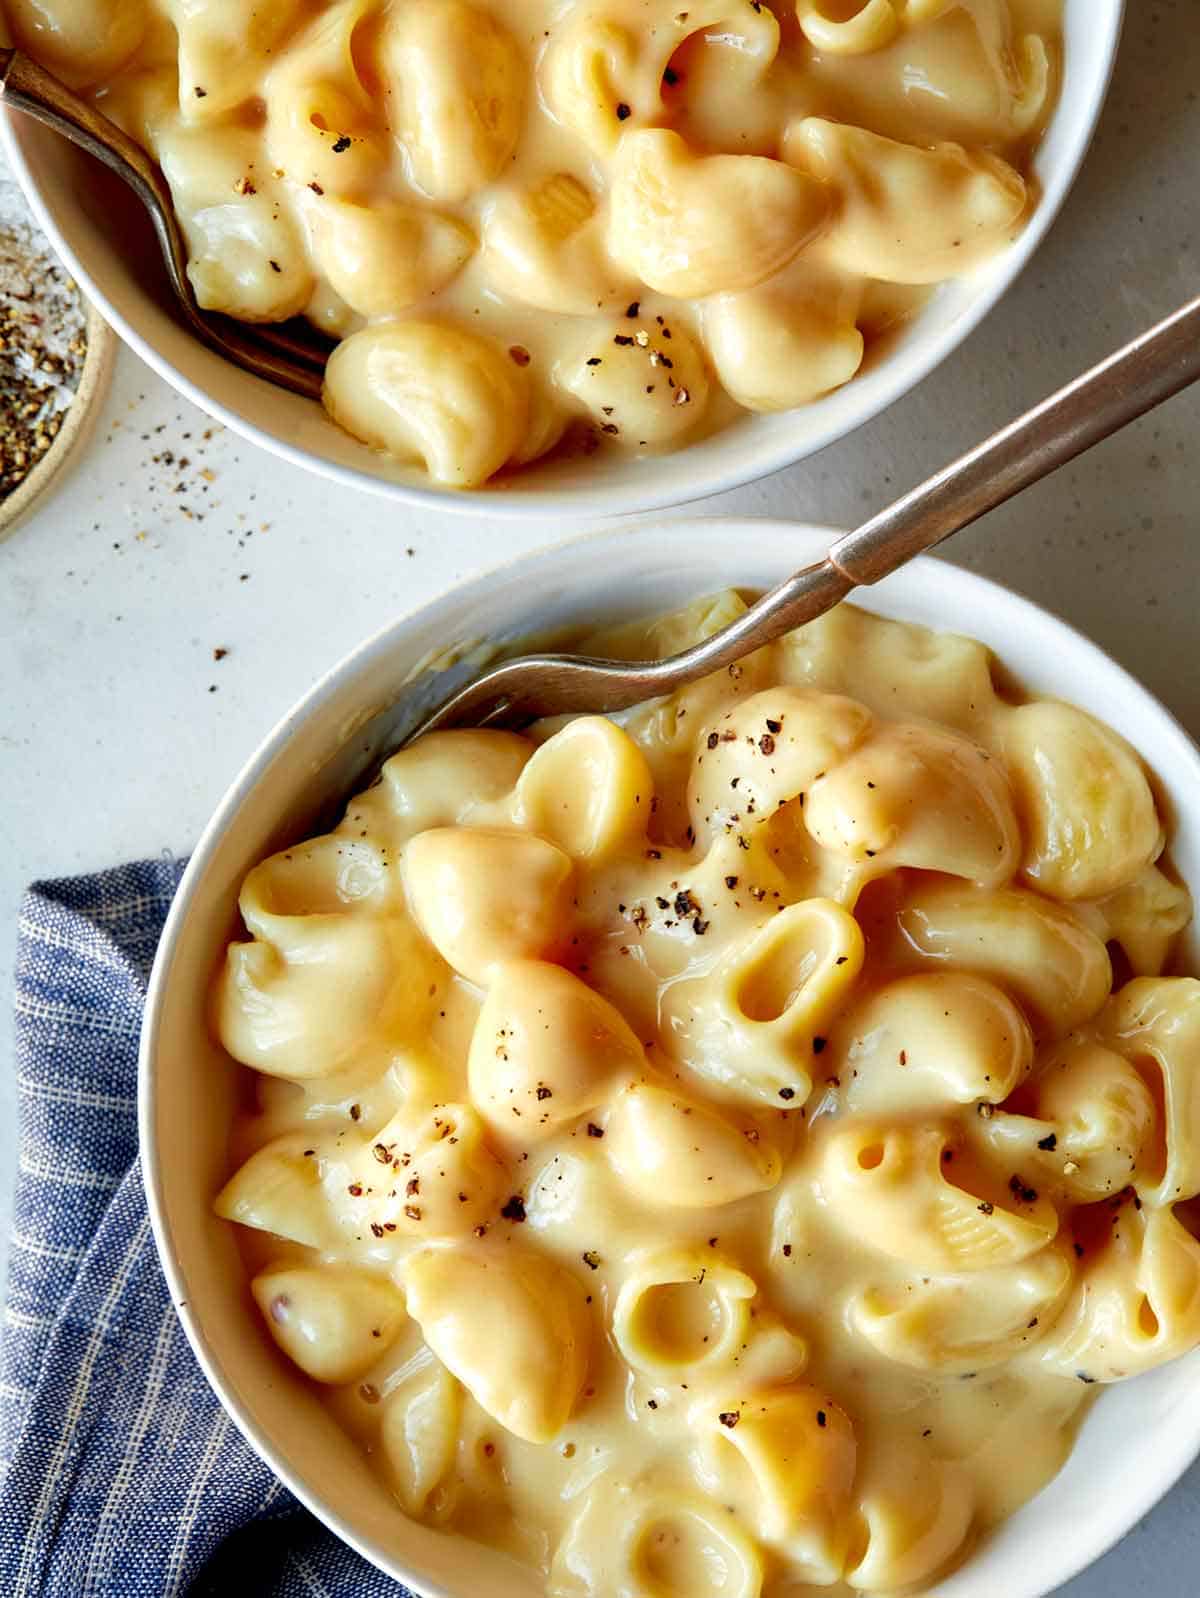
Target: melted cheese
<point x="768" y="1170"/>
<point x="540" y="225"/>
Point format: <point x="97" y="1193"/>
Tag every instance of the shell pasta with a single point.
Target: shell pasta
<point x="538" y="226"/>
<point x="718" y="1154"/>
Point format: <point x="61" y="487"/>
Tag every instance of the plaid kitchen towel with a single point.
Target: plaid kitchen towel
<point x="120" y="1474"/>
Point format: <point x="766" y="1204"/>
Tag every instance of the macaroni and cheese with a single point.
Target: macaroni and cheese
<point x="566" y="224"/>
<point x="724" y="1151"/>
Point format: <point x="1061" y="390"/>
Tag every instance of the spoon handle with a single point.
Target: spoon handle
<point x="26" y="86"/>
<point x="1120" y="389"/>
<point x="275" y="353"/>
<point x="1100" y="402"/>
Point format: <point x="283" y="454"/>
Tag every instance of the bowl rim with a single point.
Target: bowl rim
<point x="897" y="377"/>
<point x="1055" y="1568"/>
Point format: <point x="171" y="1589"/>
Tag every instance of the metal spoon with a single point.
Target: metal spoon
<point x="290" y="355"/>
<point x="1151" y="369"/>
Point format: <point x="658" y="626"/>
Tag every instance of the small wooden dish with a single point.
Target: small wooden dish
<point x="77" y="424"/>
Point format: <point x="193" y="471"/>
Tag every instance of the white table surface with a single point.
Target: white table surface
<point x="113" y="599"/>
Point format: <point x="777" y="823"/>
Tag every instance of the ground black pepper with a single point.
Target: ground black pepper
<point x="43" y="344"/>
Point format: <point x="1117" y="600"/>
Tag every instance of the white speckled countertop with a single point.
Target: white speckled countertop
<point x="119" y="730"/>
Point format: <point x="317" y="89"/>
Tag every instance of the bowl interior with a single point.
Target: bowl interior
<point x="1136" y="1441"/>
<point x="97" y="229"/>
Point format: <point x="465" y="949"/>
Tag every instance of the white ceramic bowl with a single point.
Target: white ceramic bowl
<point x="1140" y="1436"/>
<point x="95" y="233"/>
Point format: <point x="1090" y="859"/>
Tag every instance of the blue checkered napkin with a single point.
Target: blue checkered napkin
<point x="120" y="1475"/>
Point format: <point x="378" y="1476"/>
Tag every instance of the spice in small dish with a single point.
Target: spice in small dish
<point x="43" y="344"/>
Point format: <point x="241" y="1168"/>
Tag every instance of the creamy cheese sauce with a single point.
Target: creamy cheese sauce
<point x="722" y="1154"/>
<point x="540" y="226"/>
